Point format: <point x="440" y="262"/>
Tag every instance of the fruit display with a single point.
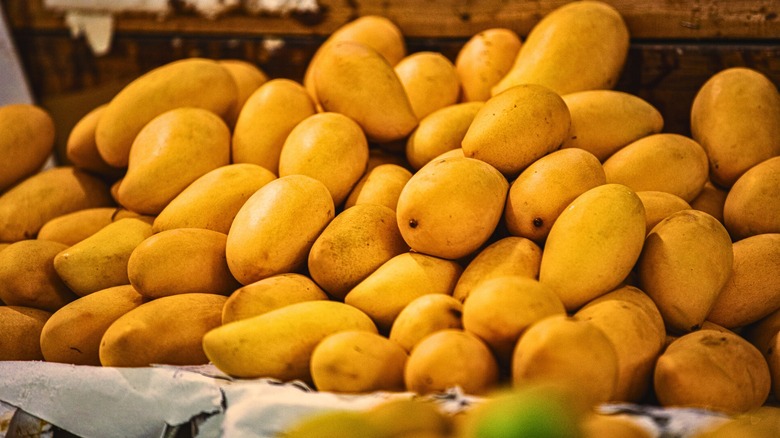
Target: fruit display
<point x="503" y="222"/>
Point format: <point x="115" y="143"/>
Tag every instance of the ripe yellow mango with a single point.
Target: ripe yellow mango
<point x="484" y="60"/>
<point x="20" y="330"/>
<point x="274" y="230"/>
<point x="355" y="361"/>
<point x="423" y="316"/>
<point x="100" y="261"/>
<point x="278" y="344"/>
<point x="659" y="205"/>
<point x="594" y="244"/>
<point x="381" y="185"/>
<point x="430" y="82"/>
<point x="248" y="78"/>
<point x="440" y="131"/>
<point x="74" y="227"/>
<point x="355" y="80"/>
<point x="735" y="116"/>
<point x="168" y="330"/>
<point x="269" y="294"/>
<point x="73" y="333"/>
<point x="266" y="120"/>
<point x="450" y="207"/>
<point x="603" y="121"/>
<point x="192" y="82"/>
<point x="355" y="243"/>
<point x="213" y="200"/>
<point x="28" y="278"/>
<point x="578" y="46"/>
<point x="669" y="163"/>
<point x="81" y="149"/>
<point x="710" y="200"/>
<point x="686" y="260"/>
<point x="170" y="152"/>
<point x="180" y="261"/>
<point x="328" y="147"/>
<point x="28" y="205"/>
<point x="753" y="204"/>
<point x="26" y="143"/>
<point x="515" y="128"/>
<point x="545" y="188"/>
<point x="410" y="417"/>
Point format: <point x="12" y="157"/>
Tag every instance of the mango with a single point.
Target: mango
<point x="753" y="204"/>
<point x="601" y="425"/>
<point x="73" y="333"/>
<point x="686" y="260"/>
<point x="712" y="370"/>
<point x="594" y="244"/>
<point x="328" y="147"/>
<point x="425" y="315"/>
<point x="604" y="121"/>
<point x="26" y="143"/>
<point x="517" y="127"/>
<point x="545" y="188"/>
<point x="440" y="131"/>
<point x="399" y="417"/>
<point x="81" y="149"/>
<point x="429" y="80"/>
<point x="659" y="205"/>
<point x="167" y="330"/>
<point x="20" y="329"/>
<point x="269" y="294"/>
<point x="450" y="207"/>
<point x="763" y="422"/>
<point x="483" y="60"/>
<point x="276" y="227"/>
<point x="28" y="205"/>
<point x="72" y="228"/>
<point x="353" y="245"/>
<point x="28" y="278"/>
<point x="381" y="185"/>
<point x="266" y="120"/>
<point x="279" y="344"/>
<point x="710" y="200"/>
<point x="191" y="82"/>
<point x="762" y="331"/>
<point x="334" y="422"/>
<point x="575" y="47"/>
<point x="170" y="152"/>
<point x="735" y="116"/>
<point x="248" y="78"/>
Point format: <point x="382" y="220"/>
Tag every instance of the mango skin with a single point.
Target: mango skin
<point x="430" y="82"/>
<point x="382" y="185"/>
<point x="484" y="60"/>
<point x="752" y="205"/>
<point x="72" y="228"/>
<point x="269" y="294"/>
<point x="81" y="149"/>
<point x="20" y="329"/>
<point x="167" y="330"/>
<point x="423" y="316"/>
<point x="248" y="78"/>
<point x="440" y="131"/>
<point x="26" y="143"/>
<point x="735" y="116"/>
<point x="659" y="205"/>
<point x="279" y="344"/>
<point x="192" y="82"/>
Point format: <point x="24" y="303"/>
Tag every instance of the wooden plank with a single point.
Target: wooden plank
<point x="649" y="20"/>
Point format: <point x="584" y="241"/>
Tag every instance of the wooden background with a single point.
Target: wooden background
<point x="676" y="44"/>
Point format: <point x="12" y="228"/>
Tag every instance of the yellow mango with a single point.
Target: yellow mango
<point x="440" y="131"/>
<point x="659" y="205"/>
<point x="448" y="358"/>
<point x="28" y="278"/>
<point x="762" y="331"/>
<point x="593" y="244"/>
<point x="73" y="333"/>
<point x="334" y="422"/>
<point x="386" y="291"/>
<point x="355" y="80"/>
<point x="450" y="207"/>
<point x="753" y="203"/>
<point x="353" y="245"/>
<point x="26" y="143"/>
<point x="735" y="116"/>
<point x="712" y="370"/>
<point x="81" y="149"/>
<point x="100" y="261"/>
<point x="170" y="152"/>
<point x="168" y="330"/>
<point x="328" y="147"/>
<point x="213" y="200"/>
<point x="356" y="361"/>
<point x="274" y="230"/>
<point x="181" y="261"/>
<point x="752" y="291"/>
<point x="710" y="200"/>
<point x="603" y="121"/>
<point x="192" y="82"/>
<point x="484" y="60"/>
<point x="773" y="360"/>
<point x="20" y="330"/>
<point x="381" y="185"/>
<point x="269" y="294"/>
<point x="415" y="417"/>
<point x="545" y="188"/>
<point x="74" y="227"/>
<point x="278" y="344"/>
<point x="28" y="205"/>
<point x="603" y="425"/>
<point x="430" y="82"/>
<point x="575" y="47"/>
<point x="425" y="315"/>
<point x="669" y="163"/>
<point x="763" y="422"/>
<point x="686" y="260"/>
<point x="517" y="127"/>
<point x="266" y="120"/>
<point x="248" y="78"/>
<point x="514" y="256"/>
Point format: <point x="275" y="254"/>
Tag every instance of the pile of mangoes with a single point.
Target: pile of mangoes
<point x="404" y="222"/>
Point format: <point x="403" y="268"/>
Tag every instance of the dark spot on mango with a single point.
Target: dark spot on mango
<point x="538" y="222"/>
<point x="412" y="223"/>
